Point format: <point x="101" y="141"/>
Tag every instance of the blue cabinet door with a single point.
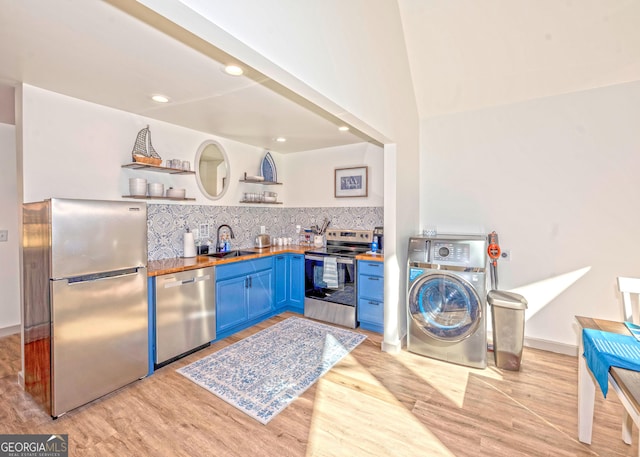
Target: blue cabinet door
<point x="371" y="295"/>
<point x="231" y="302"/>
<point x="260" y="293"/>
<point x="281" y="268"/>
<point x="296" y="283"/>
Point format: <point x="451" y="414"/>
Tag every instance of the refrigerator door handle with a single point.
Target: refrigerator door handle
<point x="100" y="277"/>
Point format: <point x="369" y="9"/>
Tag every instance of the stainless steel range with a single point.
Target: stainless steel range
<point x="330" y="277"/>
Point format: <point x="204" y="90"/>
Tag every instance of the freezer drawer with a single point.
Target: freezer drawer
<point x="100" y="337"/>
<point x="185" y="312"/>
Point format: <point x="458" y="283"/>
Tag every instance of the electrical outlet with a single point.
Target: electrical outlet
<point x="505" y="255"/>
<point x="4" y="235"/>
<point x="263" y="229"/>
<point x="204" y="230"/>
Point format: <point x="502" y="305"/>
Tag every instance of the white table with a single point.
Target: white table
<point x="625" y="383"/>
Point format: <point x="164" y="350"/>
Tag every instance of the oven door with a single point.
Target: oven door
<point x="330" y="289"/>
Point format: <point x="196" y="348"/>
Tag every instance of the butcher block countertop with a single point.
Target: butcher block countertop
<point x="167" y="266"/>
<point x="374" y="257"/>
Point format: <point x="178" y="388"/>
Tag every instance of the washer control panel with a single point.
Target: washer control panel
<point x="452" y="252"/>
<point x="467" y="251"/>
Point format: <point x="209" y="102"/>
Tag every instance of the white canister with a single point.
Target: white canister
<point x="318" y="240"/>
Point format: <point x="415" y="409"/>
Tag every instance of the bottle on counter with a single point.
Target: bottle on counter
<point x="374" y="244"/>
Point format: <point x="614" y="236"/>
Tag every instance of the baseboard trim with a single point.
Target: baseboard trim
<point x="544" y="345"/>
<point x="551" y="346"/>
<point x="392" y="348"/>
<point x="12" y="330"/>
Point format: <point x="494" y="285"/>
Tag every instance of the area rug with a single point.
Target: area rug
<point x="262" y="374"/>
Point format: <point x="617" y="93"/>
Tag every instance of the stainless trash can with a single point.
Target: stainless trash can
<point x="507" y="317"/>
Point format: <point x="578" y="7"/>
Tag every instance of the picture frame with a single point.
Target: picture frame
<point x="351" y="182"/>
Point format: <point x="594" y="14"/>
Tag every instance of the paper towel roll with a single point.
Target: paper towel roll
<point x="189" y="245"/>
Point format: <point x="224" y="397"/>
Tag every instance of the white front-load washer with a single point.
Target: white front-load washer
<point x="446" y="298"/>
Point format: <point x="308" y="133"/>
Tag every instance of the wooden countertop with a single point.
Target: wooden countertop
<point x="374" y="257"/>
<point x="167" y="266"/>
<point x="627" y="380"/>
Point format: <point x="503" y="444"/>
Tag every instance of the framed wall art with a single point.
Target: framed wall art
<point x="351" y="182"/>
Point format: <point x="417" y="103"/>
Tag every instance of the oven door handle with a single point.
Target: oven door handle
<point x="321" y="259"/>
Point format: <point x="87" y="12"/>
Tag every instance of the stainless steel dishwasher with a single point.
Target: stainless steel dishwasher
<point x="185" y="313"/>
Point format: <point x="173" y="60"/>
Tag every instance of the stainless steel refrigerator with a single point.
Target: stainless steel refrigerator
<point x="85" y="299"/>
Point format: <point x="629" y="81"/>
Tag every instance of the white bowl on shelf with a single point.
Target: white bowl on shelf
<point x="155" y="189"/>
<point x="269" y="199"/>
<point x="176" y="193"/>
<point x="138" y="187"/>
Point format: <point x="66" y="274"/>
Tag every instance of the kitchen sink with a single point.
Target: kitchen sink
<point x="236" y="253"/>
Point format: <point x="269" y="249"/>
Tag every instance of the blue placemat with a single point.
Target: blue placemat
<point x="603" y="350"/>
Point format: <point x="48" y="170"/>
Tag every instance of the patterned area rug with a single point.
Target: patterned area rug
<point x="263" y="373"/>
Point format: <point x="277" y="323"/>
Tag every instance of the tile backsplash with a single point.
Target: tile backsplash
<point x="167" y="223"/>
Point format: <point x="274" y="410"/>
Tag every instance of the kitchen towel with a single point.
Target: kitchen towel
<point x="189" y="245"/>
<point x="330" y="272"/>
<point x="603" y="350"/>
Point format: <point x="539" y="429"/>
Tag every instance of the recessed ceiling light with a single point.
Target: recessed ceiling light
<point x="281" y="139"/>
<point x="343" y="128"/>
<point x="233" y="70"/>
<point x="160" y="98"/>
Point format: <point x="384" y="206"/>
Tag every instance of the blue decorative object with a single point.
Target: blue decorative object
<point x="603" y="350"/>
<point x="262" y="374"/>
<point x="269" y="169"/>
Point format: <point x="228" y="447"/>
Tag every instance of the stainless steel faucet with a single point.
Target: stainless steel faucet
<point x="218" y="235"/>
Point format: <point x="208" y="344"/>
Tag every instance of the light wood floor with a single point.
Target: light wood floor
<point x="370" y="404"/>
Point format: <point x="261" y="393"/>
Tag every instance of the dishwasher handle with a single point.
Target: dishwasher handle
<point x="183" y="282"/>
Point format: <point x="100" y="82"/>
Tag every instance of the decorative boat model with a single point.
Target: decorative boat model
<point x="143" y="151"/>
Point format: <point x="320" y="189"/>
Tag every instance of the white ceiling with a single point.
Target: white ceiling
<point x="464" y="55"/>
<point x="467" y="55"/>
<point x="93" y="51"/>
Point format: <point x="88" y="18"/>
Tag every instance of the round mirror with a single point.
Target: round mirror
<point x="212" y="169"/>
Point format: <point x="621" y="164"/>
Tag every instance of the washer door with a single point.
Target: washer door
<point x="445" y="306"/>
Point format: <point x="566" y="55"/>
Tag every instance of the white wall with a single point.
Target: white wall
<point x="7" y="105"/>
<point x="75" y="149"/>
<point x="311" y="174"/>
<point x="557" y="178"/>
<point x="9" y="212"/>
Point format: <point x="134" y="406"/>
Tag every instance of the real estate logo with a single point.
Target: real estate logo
<point x="34" y="445"/>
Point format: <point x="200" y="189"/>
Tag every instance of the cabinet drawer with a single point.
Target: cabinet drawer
<point x="371" y="287"/>
<point x="370" y="268"/>
<point x="370" y="311"/>
<point x="243" y="267"/>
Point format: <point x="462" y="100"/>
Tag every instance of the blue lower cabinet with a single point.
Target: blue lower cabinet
<point x="296" y="283"/>
<point x="289" y="282"/>
<point x="281" y="269"/>
<point x="231" y="301"/>
<point x="260" y="294"/>
<point x="371" y="295"/>
<point x="244" y="295"/>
